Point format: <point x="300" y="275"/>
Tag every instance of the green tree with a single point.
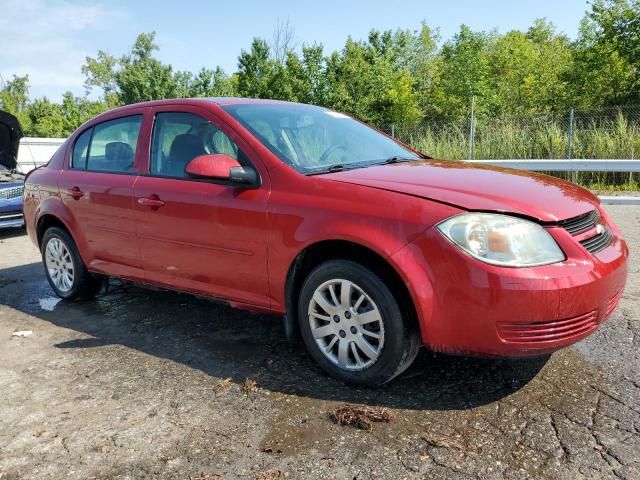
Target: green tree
<point x="46" y="119"/>
<point x="463" y="69"/>
<point x="142" y="77"/>
<point x="211" y="83"/>
<point x="307" y="75"/>
<point x="139" y="76"/>
<point x="529" y="70"/>
<point x="77" y="110"/>
<point x="368" y="80"/>
<point x="607" y="55"/>
<point x="261" y="76"/>
<point x="100" y="72"/>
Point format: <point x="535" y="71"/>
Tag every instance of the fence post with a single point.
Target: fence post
<point x="393" y="130"/>
<point x="472" y="129"/>
<point x="574" y="174"/>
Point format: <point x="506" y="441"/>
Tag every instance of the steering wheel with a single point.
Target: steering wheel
<point x="330" y="150"/>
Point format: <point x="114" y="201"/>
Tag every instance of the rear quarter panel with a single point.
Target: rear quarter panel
<point x="42" y="197"/>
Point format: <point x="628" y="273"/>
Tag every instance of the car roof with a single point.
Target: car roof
<point x="220" y="101"/>
<point x="255" y="101"/>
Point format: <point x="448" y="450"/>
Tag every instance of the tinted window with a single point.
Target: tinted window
<point x="113" y="145"/>
<point x="80" y="149"/>
<point x="179" y="137"/>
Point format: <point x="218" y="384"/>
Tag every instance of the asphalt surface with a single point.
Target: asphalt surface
<point x="132" y="385"/>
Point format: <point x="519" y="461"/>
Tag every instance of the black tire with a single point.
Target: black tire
<point x="401" y="337"/>
<point x="85" y="285"/>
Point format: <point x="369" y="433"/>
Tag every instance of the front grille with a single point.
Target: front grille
<point x="581" y="223"/>
<point x="12" y="192"/>
<point x="585" y="222"/>
<point x="10" y="215"/>
<point x="612" y="303"/>
<point x="599" y="242"/>
<point x="533" y="332"/>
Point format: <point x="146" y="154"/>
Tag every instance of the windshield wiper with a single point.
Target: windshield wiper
<point x="394" y="159"/>
<point x="338" y="167"/>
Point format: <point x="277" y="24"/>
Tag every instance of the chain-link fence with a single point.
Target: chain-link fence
<point x="606" y="133"/>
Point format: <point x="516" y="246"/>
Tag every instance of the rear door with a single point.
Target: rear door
<point x="97" y="187"/>
<point x="195" y="235"/>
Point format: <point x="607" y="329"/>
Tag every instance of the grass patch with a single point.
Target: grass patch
<point x="606" y="136"/>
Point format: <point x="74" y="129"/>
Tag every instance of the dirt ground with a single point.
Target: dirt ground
<point x="134" y="385"/>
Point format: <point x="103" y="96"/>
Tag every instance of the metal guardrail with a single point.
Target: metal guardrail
<point x="619" y="200"/>
<point x="37" y="151"/>
<point x="535" y="165"/>
<point x="564" y="165"/>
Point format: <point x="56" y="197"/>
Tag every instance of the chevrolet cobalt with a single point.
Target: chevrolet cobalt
<point x="367" y="247"/>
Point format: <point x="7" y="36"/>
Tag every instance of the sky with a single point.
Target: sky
<point x="49" y="39"/>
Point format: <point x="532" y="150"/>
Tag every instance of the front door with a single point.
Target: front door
<point x="197" y="235"/>
<point x="97" y="188"/>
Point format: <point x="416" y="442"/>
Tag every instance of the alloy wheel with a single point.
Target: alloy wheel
<point x="346" y="324"/>
<point x="59" y="264"/>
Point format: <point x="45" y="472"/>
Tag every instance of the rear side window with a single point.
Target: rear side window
<point x="113" y="145"/>
<point x="80" y="149"/>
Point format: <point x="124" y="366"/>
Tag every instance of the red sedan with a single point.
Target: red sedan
<point x="368" y="247"/>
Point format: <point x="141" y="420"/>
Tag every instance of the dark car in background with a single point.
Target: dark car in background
<point x="11" y="181"/>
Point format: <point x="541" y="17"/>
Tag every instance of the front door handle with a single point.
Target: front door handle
<point x="76" y="193"/>
<point x="152" y="201"/>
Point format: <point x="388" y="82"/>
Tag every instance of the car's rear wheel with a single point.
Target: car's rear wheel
<point x="353" y="325"/>
<point x="64" y="269"/>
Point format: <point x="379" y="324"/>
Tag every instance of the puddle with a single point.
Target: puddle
<point x="49" y="303"/>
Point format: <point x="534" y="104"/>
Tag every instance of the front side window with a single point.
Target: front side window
<point x="80" y="150"/>
<point x="113" y="145"/>
<point x="179" y="137"/>
<point x="314" y="139"/>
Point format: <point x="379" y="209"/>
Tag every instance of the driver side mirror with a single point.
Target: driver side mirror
<point x="219" y="166"/>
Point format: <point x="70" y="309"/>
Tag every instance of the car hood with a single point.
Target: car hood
<point x="10" y="135"/>
<point x="477" y="187"/>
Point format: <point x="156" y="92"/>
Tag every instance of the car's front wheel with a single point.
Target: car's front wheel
<point x="64" y="268"/>
<point x="353" y="325"/>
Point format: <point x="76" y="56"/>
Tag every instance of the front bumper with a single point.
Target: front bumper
<point x="11" y="220"/>
<point x="465" y="306"/>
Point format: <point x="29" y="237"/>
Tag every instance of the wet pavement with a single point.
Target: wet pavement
<point x="132" y="385"/>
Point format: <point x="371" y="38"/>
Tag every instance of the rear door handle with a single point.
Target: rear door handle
<point x="153" y="201"/>
<point x="76" y="193"/>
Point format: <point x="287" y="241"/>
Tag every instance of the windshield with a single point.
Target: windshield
<point x="314" y="139"/>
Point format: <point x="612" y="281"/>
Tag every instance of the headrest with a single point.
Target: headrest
<point x="118" y="152"/>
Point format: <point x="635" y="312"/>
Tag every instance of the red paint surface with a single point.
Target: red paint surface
<point x="213" y="166"/>
<point x="239" y="243"/>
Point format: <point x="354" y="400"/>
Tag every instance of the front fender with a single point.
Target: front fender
<point x="382" y="222"/>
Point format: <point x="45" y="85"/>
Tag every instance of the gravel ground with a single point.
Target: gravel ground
<point x="134" y="385"/>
